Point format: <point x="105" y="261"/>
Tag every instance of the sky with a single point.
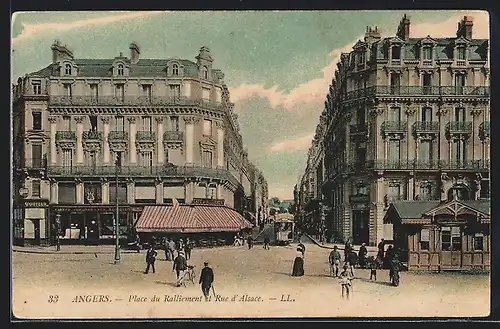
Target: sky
<point x="277" y="64"/>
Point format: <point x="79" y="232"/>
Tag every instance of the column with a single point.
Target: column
<point x="218" y="192"/>
<point x="54" y="198"/>
<point x="379" y="154"/>
<point x="53" y="150"/>
<point x="377" y="228"/>
<point x="79" y="145"/>
<point x="476" y="142"/>
<point x="105" y="148"/>
<point x="131" y="136"/>
<point x="159" y="191"/>
<point x="105" y="192"/>
<point x="80" y="197"/>
<point x="348" y="141"/>
<point x="159" y="139"/>
<point x="189" y="123"/>
<point x="188" y="192"/>
<point x="411" y="188"/>
<point x="410" y="115"/>
<point x="130" y="192"/>
<point x="220" y="143"/>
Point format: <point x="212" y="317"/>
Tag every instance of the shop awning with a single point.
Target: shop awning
<point x="190" y="219"/>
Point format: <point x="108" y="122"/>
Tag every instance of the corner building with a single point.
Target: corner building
<point x="408" y="122"/>
<point x="169" y="122"/>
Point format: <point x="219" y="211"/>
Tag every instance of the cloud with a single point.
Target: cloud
<point x="316" y="89"/>
<point x="34" y="30"/>
<point x="297" y="144"/>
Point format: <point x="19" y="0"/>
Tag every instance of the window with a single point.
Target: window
<point x="427" y="83"/>
<point x="146" y="124"/>
<point x="446" y="238"/>
<point x="424" y="239"/>
<point x="459" y="83"/>
<point x="37" y="120"/>
<point x="461" y="53"/>
<point x="67" y="69"/>
<point x="67" y="193"/>
<point x="361" y="58"/>
<point x="456" y="238"/>
<point x="94" y="91"/>
<point x="175" y="69"/>
<point x="120" y="69"/>
<point x="207" y="127"/>
<point x="425" y="150"/>
<point x="147" y="91"/>
<point x="37" y="87"/>
<point x="425" y="193"/>
<point x="395" y="113"/>
<point x="120" y="91"/>
<point x="485" y="189"/>
<point x="146" y="159"/>
<point x="427" y="53"/>
<point x="68" y="90"/>
<point x="67" y="123"/>
<point x="395" y="83"/>
<point x="478" y="242"/>
<point x="174" y="121"/>
<point x="205" y="72"/>
<point x="458" y="151"/>
<point x="91" y="158"/>
<point x="120" y="123"/>
<point x="67" y="157"/>
<point x="206" y="94"/>
<point x="426" y="114"/>
<point x="394" y="192"/>
<point x="117" y="158"/>
<point x="394" y="150"/>
<point x="207" y="159"/>
<point x="166" y="156"/>
<point x="35" y="188"/>
<point x="460" y="114"/>
<point x="36" y="155"/>
<point x="93" y="193"/>
<point x="396" y="52"/>
<point x="121" y="191"/>
<point x="175" y="91"/>
<point x="360" y="116"/>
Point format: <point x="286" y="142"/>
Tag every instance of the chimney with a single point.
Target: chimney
<point x="134" y="53"/>
<point x="372" y="34"/>
<point x="465" y="28"/>
<point x="404" y="28"/>
<point x="60" y="52"/>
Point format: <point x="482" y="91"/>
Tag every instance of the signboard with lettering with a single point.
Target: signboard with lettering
<point x="36" y="204"/>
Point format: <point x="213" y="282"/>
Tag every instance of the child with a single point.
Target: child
<point x="373" y="268"/>
<point x="346" y="281"/>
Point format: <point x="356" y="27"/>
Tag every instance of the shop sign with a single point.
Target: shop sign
<point x="35" y="204"/>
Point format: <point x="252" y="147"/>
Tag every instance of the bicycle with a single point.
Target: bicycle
<point x="188" y="275"/>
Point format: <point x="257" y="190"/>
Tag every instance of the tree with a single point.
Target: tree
<point x="275" y="202"/>
<point x="272" y="212"/>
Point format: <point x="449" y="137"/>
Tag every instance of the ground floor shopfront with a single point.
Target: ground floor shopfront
<point x="31" y="222"/>
<point x="453" y="235"/>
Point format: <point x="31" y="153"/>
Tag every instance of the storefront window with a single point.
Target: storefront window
<point x="446" y="239"/>
<point x="478" y="242"/>
<point x="456" y="238"/>
<point x="67" y="193"/>
<point x="424" y="239"/>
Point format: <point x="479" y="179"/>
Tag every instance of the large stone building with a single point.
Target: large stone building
<point x="407" y="120"/>
<point x="164" y="127"/>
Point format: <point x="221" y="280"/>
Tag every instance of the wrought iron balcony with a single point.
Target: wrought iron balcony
<point x="472" y="165"/>
<point x="118" y="135"/>
<point x="480" y="91"/>
<point x="394" y="127"/>
<point x="427" y="164"/>
<point x="66" y="135"/>
<point x="390" y="164"/>
<point x="97" y="135"/>
<point x="145" y="136"/>
<point x="426" y="127"/>
<point x="359" y="198"/>
<point x="34" y="163"/>
<point x="484" y="129"/>
<point x="459" y="127"/>
<point x="173" y="136"/>
<point x="62" y="100"/>
<point x="466" y="165"/>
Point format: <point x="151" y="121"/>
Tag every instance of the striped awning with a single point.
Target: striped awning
<point x="190" y="219"/>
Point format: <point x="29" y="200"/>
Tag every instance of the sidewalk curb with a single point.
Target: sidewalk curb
<point x="50" y="252"/>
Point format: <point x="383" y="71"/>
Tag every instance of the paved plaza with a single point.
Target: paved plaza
<point x="260" y="279"/>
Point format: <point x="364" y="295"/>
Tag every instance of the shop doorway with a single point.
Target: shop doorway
<point x="361" y="227"/>
<point x="36" y="224"/>
<point x="451" y="247"/>
<point x="92" y="227"/>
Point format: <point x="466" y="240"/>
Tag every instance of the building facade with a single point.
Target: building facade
<point x="406" y="119"/>
<point x="89" y="132"/>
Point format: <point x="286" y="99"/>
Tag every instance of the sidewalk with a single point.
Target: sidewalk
<point x="70" y="250"/>
<point x="372" y="250"/>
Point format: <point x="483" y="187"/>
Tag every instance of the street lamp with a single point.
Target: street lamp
<point x="58" y="229"/>
<point x="117" y="218"/>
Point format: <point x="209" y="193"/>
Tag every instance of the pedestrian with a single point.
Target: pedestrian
<point x="206" y="280"/>
<point x="347" y="249"/>
<point x="388" y="256"/>
<point x="180" y="265"/>
<point x="171" y="248"/>
<point x="302" y="248"/>
<point x="298" y="264"/>
<point x="352" y="259"/>
<point x="167" y="252"/>
<point x="266" y="242"/>
<point x="250" y="242"/>
<point x="346" y="282"/>
<point x="373" y="267"/>
<point x="187" y="249"/>
<point x="334" y="260"/>
<point x="180" y="245"/>
<point x="381" y="247"/>
<point x="362" y="255"/>
<point x="150" y="258"/>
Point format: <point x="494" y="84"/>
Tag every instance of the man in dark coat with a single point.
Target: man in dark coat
<point x="347" y="250"/>
<point x="150" y="258"/>
<point x="388" y="256"/>
<point x="381" y="246"/>
<point x="250" y="242"/>
<point x="187" y="248"/>
<point x="206" y="280"/>
<point x="266" y="242"/>
<point x="352" y="259"/>
<point x="180" y="265"/>
<point x="362" y="255"/>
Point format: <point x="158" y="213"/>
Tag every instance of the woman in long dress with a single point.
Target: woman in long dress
<point x="298" y="264"/>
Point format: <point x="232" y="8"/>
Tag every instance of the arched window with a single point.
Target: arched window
<point x="175" y="69"/>
<point x="459" y="192"/>
<point x="120" y="69"/>
<point x="205" y="72"/>
<point x="67" y="69"/>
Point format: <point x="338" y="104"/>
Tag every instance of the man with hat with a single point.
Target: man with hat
<point x="362" y="255"/>
<point x="206" y="280"/>
<point x="180" y="265"/>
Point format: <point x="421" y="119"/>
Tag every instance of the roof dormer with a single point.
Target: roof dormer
<point x="68" y="68"/>
<point x="120" y="66"/>
<point x="175" y="68"/>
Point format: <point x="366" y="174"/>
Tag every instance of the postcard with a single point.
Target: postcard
<point x="241" y="164"/>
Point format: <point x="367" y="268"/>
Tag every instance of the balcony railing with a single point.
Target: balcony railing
<point x="145" y="136"/>
<point x="118" y="135"/>
<point x="36" y="163"/>
<point x="173" y="136"/>
<point x="93" y="135"/>
<point x="419" y="90"/>
<point x="358" y="128"/>
<point x="390" y="164"/>
<point x="459" y="127"/>
<point x="359" y="198"/>
<point x="65" y="135"/>
<point x="394" y="127"/>
<point x="426" y="127"/>
<point x="484" y="129"/>
<point x="60" y="100"/>
<point x="428" y="165"/>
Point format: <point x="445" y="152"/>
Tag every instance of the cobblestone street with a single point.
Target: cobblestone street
<point x="255" y="273"/>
